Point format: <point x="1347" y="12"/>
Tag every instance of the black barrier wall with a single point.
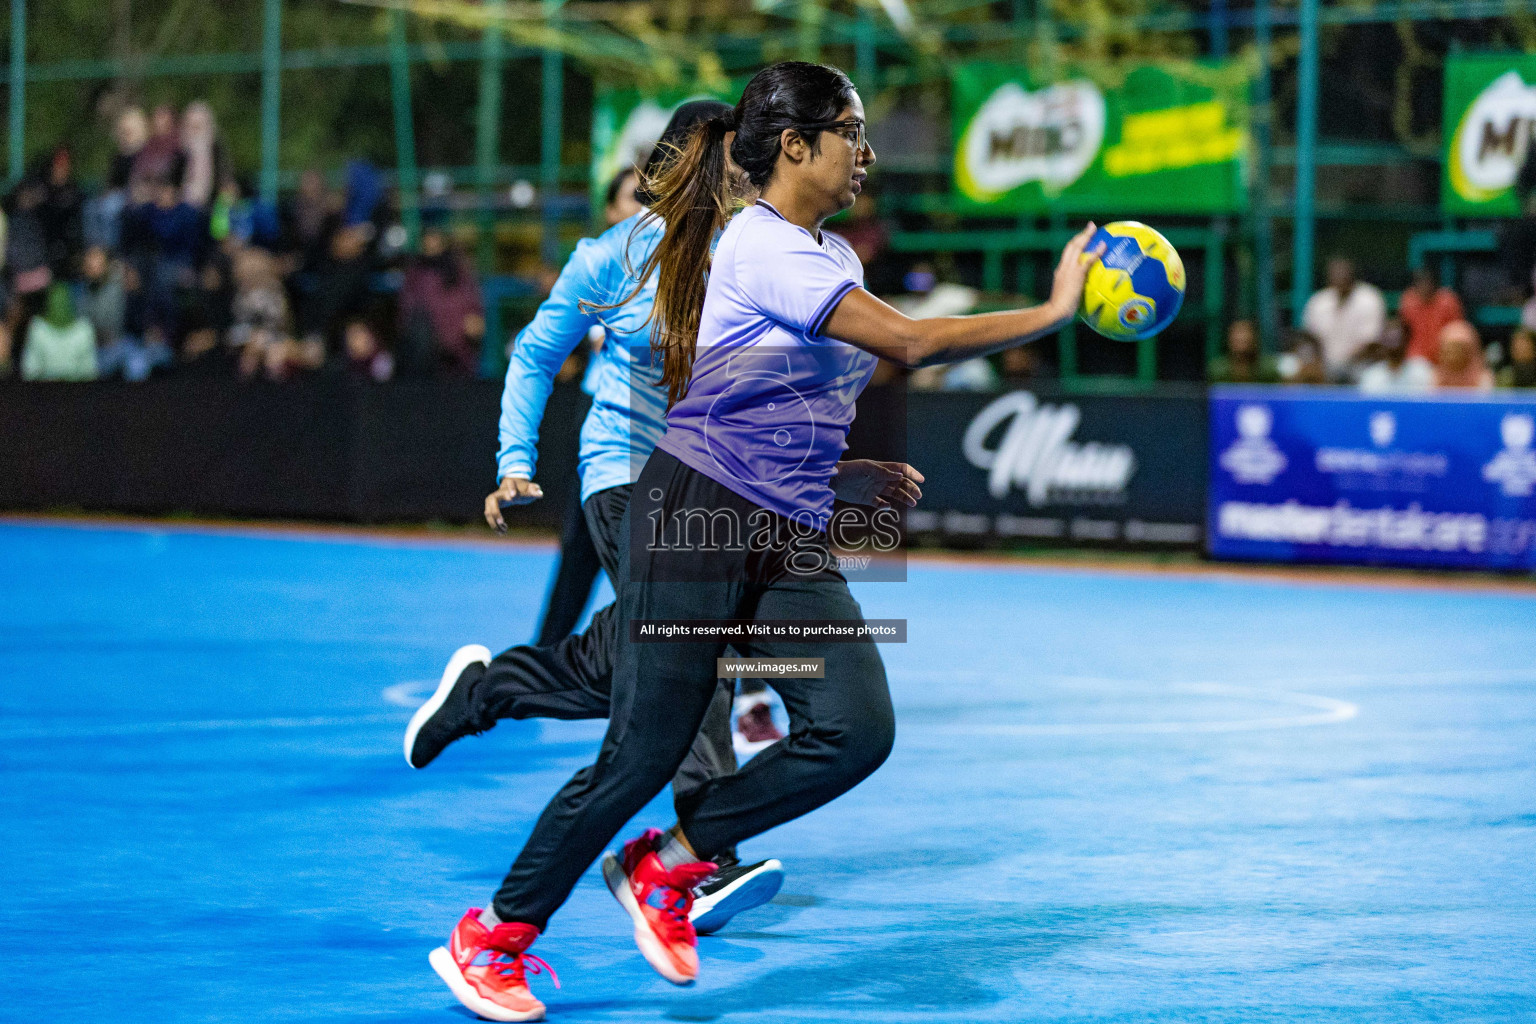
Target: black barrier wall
<point x="325" y="449"/>
<point x="1019" y="465"/>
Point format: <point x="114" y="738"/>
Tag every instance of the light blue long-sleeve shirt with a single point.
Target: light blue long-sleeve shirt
<point x="628" y="414"/>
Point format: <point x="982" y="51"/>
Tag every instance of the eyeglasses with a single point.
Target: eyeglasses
<point x="851" y="129"/>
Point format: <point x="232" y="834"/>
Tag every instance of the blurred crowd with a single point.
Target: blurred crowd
<point x="176" y="266"/>
<point x="1348" y="337"/>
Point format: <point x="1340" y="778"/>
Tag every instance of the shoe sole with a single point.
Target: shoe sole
<point x="714" y="911"/>
<point x="462" y="659"/>
<point x="650" y="947"/>
<point x="442" y="962"/>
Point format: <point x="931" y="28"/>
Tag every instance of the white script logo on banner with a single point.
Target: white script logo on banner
<point x="1514" y="468"/>
<point x="1253" y="458"/>
<point x="1037" y="455"/>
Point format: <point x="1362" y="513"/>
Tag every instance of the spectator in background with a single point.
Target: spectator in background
<point x="104" y="302"/>
<point x="204" y="163"/>
<point x="927" y="296"/>
<point x="1528" y="311"/>
<point x="159" y="159"/>
<point x="1461" y="359"/>
<point x="339" y="290"/>
<point x="227" y="216"/>
<point x="7" y="348"/>
<point x="1426" y="308"/>
<point x="1303" y="362"/>
<point x="61" y="345"/>
<point x="104" y="214"/>
<point x="239" y="217"/>
<point x="308" y="220"/>
<point x="60" y="213"/>
<point x="339" y="282"/>
<point x="1243" y="363"/>
<point x="209" y="309"/>
<point x="440" y="307"/>
<point x="26" y="253"/>
<point x="259" y="333"/>
<point x="175" y="233"/>
<point x="175" y="230"/>
<point x="1344" y="317"/>
<point x="366" y="358"/>
<point x="869" y="237"/>
<point x="1521" y="371"/>
<point x="364" y="194"/>
<point x="621" y="201"/>
<point x="1397" y="371"/>
<point x="130" y="133"/>
<point x="1022" y="365"/>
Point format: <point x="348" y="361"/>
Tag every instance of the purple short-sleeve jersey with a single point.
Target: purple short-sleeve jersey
<point x="768" y="409"/>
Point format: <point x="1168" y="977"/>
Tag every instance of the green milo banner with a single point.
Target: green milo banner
<point x="1156" y="139"/>
<point x="626" y="124"/>
<point x="1490" y="115"/>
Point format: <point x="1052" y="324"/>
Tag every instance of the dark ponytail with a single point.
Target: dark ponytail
<point x="689" y="190"/>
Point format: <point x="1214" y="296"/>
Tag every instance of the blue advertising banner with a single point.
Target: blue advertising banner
<point x="1302" y="474"/>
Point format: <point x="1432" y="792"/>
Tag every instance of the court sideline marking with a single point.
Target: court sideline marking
<point x="410" y="693"/>
<point x="1324" y="575"/>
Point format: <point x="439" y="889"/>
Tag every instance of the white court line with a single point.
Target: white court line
<point x="1436" y="677"/>
<point x="410" y="693"/>
<point x="1330" y="712"/>
<point x="1326" y="711"/>
<point x="199" y="725"/>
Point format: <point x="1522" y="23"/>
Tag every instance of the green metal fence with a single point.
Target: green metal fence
<point x="879" y="51"/>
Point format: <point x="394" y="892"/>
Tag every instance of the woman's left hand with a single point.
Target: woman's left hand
<point x="881" y="484"/>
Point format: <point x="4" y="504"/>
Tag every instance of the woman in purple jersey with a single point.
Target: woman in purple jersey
<point x="763" y="361"/>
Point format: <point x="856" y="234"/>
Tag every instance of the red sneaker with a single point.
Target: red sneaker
<point x="658" y="900"/>
<point x="485" y="968"/>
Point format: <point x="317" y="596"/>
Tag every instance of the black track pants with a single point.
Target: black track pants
<point x="841" y="727"/>
<point x="573" y="679"/>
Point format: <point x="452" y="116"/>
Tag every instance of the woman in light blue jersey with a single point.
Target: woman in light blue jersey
<point x="570" y="679"/>
<point x="763" y="359"/>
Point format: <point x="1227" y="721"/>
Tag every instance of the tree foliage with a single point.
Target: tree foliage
<point x="329" y="114"/>
<point x="96" y="54"/>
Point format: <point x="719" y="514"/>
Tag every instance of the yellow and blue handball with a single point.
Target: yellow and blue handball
<point x="1137" y="287"/>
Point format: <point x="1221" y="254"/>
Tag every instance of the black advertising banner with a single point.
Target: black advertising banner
<point x="315" y="448"/>
<point x="1037" y="465"/>
<point x="1057" y="468"/>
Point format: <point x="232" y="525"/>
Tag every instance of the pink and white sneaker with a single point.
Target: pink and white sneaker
<point x="658" y="900"/>
<point x="486" y="968"/>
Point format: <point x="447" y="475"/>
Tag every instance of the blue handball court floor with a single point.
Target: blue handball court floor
<point x="1115" y="796"/>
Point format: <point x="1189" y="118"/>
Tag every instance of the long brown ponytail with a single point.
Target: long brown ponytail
<point x="691" y="195"/>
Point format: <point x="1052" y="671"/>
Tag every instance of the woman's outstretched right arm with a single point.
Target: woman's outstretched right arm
<point x="864" y="321"/>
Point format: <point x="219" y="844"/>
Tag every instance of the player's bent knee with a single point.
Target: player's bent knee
<point x="875" y="740"/>
<point x="858" y="749"/>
